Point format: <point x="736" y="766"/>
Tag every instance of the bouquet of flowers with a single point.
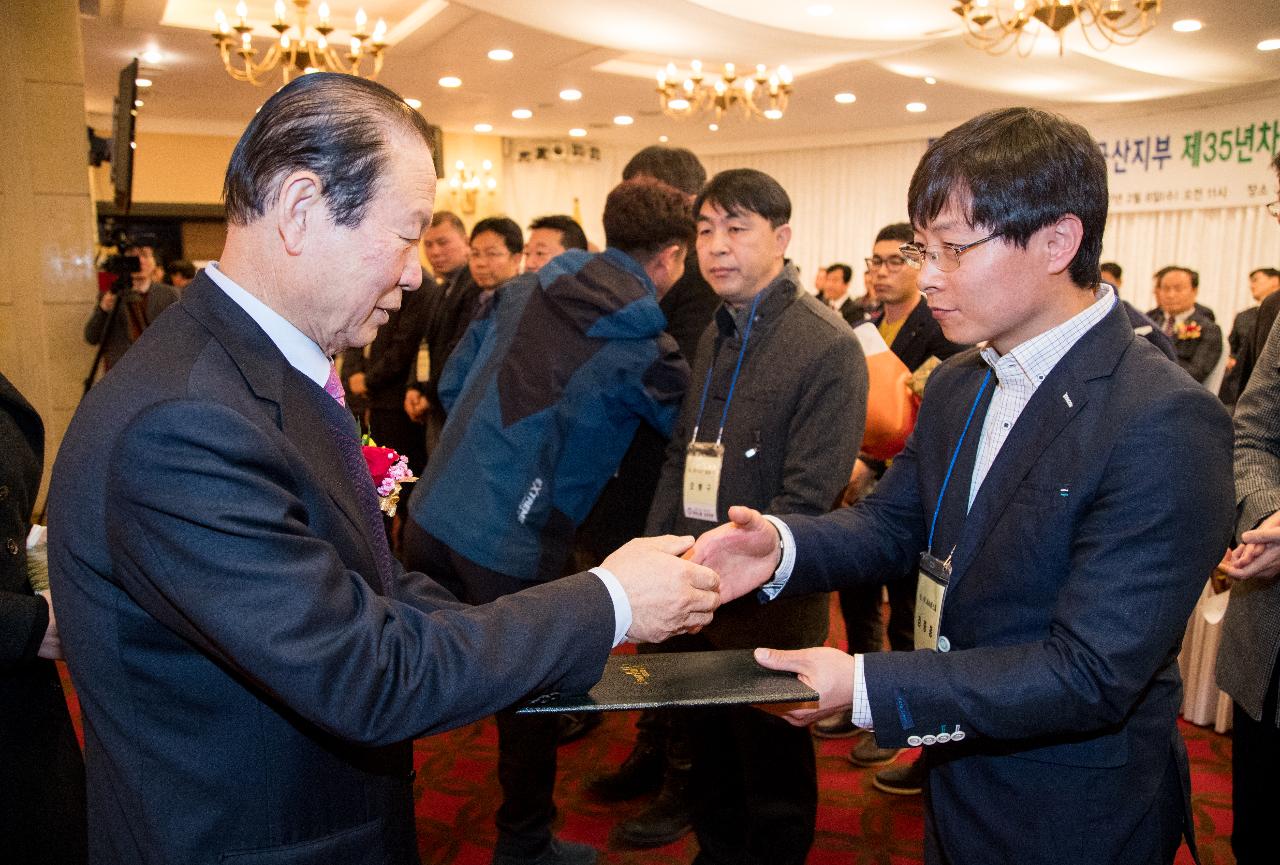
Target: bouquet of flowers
<point x="389" y="471"/>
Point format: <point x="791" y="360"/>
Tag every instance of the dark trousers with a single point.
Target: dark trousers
<point x="1255" y="766"/>
<point x="526" y="743"/>
<point x="860" y="607"/>
<point x="755" y="788"/>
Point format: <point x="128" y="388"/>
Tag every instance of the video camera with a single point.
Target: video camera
<point x="121" y="266"/>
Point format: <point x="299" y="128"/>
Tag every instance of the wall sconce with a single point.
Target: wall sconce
<point x="465" y="184"/>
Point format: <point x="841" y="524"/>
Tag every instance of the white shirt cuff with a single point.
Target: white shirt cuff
<point x="621" y="606"/>
<point x="770" y="590"/>
<point x="861" y="702"/>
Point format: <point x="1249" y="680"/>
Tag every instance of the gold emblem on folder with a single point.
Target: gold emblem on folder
<point x="637" y="672"/>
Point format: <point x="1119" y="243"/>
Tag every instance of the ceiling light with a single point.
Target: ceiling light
<point x="138" y="103"/>
<point x="415" y="104"/>
<point x="570" y="95"/>
<point x="997" y="26"/>
<point x="916" y="107"/>
<point x="846" y="98"/>
<point x="500" y="54"/>
<point x="450" y="81"/>
<point x="522" y="114"/>
<point x="663" y="139"/>
<point x="929" y="79"/>
<point x="623" y="120"/>
<point x="1264" y="45"/>
<point x="297" y="45"/>
<point x="714" y="127"/>
<point x="146" y="82"/>
<point x="577" y="132"/>
<point x="152" y="55"/>
<point x="483" y="127"/>
<point x="820" y="10"/>
<point x="1187" y="25"/>
<point x="759" y="94"/>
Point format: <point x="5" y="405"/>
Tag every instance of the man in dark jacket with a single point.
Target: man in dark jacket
<point x="139" y="305"/>
<point x="544" y="393"/>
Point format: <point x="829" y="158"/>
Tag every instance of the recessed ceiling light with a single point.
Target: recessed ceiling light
<point x="450" y="81"/>
<point x="929" y="79"/>
<point x="846" y="98"/>
<point x="678" y="104"/>
<point x="146" y="82"/>
<point x="152" y="55"/>
<point x="1264" y="45"/>
<point x="714" y="127"/>
<point x="773" y="114"/>
<point x="577" y="132"/>
<point x="570" y="95"/>
<point x="662" y="139"/>
<point x="522" y="114"/>
<point x="483" y="127"/>
<point x="916" y="107"/>
<point x="500" y="54"/>
<point x="1187" y="25"/>
<point x="415" y="104"/>
<point x="820" y="10"/>
<point x="138" y="103"/>
<point x="624" y="120"/>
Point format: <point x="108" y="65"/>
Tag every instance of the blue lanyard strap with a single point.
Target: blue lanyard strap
<point x="733" y="383"/>
<point x="956" y="453"/>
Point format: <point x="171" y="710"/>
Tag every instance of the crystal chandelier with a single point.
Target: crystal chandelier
<point x="996" y="26"/>
<point x="761" y="95"/>
<point x="297" y="49"/>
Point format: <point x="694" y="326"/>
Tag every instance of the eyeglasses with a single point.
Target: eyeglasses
<point x="893" y="262"/>
<point x="492" y="254"/>
<point x="945" y="257"/>
<point x="1274" y="209"/>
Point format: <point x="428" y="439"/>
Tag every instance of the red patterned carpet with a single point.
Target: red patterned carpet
<point x="457" y="793"/>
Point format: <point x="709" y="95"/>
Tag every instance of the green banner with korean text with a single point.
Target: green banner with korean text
<point x="1210" y="157"/>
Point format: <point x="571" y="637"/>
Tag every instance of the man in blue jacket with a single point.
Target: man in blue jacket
<point x="544" y="394"/>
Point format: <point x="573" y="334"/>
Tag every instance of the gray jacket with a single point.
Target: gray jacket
<point x="1251" y="629"/>
<point x="793" y="430"/>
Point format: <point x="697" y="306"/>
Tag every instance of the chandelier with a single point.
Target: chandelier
<point x="761" y="95"/>
<point x="296" y="48"/>
<point x="996" y="26"/>
<point x="465" y="183"/>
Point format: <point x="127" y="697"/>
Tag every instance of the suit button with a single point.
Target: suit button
<point x="929" y="739"/>
<point x="943" y="738"/>
<point x="944" y="645"/>
<point x="413" y="773"/>
<point x="913" y="741"/>
<point x="957" y="736"/>
<point x="12" y="546"/>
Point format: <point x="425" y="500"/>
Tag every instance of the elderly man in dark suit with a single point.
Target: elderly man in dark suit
<point x="1054" y="569"/>
<point x="42" y="811"/>
<point x="1197" y="339"/>
<point x="251" y="661"/>
<point x="1249" y="656"/>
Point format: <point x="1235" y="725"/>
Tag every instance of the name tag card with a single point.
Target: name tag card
<point x="702" y="465"/>
<point x="931" y="591"/>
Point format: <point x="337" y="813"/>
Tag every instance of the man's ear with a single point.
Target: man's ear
<point x="1064" y="238"/>
<point x="299" y="206"/>
<point x="782" y="234"/>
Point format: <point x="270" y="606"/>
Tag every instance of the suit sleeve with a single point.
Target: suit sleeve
<point x="23" y="620"/>
<point x="1135" y="573"/>
<point x="208" y="537"/>
<point x="1257" y="440"/>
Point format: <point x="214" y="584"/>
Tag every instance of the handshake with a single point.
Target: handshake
<point x="674" y="585"/>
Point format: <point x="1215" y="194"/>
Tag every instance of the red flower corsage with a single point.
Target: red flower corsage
<point x="389" y="470"/>
<point x="1187" y="330"/>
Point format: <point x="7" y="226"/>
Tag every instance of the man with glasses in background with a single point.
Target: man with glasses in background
<point x="1054" y="568"/>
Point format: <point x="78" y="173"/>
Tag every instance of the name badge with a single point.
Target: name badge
<point x="931" y="590"/>
<point x="702" y="464"/>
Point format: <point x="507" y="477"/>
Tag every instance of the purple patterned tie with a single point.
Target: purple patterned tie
<point x="334" y="386"/>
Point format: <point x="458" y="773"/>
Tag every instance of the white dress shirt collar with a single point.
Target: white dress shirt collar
<point x="298" y="348"/>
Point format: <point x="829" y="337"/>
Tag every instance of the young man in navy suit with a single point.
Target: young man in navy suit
<point x="251" y="661"/>
<point x="1054" y="569"/>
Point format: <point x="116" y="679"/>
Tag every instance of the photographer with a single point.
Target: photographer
<point x="142" y="300"/>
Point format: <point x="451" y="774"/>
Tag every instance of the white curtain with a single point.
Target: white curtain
<point x="543" y="187"/>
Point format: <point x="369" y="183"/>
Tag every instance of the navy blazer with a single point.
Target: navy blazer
<point x="1073" y="577"/>
<point x="250" y="665"/>
<point x="919" y="338"/>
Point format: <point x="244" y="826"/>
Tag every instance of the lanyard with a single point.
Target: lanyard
<point x="942" y="492"/>
<point x="733" y="383"/>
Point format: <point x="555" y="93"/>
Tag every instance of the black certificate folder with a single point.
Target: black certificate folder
<point x="679" y="679"/>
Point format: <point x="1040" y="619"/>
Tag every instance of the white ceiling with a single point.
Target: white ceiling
<point x="610" y="49"/>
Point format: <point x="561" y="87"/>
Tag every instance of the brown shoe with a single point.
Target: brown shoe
<point x="905" y="780"/>
<point x="835" y="727"/>
<point x="868" y="754"/>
